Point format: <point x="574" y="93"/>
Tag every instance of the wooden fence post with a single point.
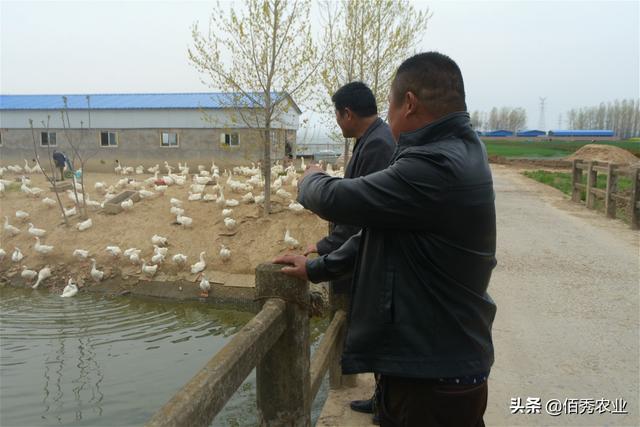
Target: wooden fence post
<point x="283" y="384"/>
<point x="592" y="178"/>
<point x="634" y="197"/>
<point x="576" y="178"/>
<point x="609" y="201"/>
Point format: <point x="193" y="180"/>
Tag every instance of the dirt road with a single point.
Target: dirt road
<point x="566" y="287"/>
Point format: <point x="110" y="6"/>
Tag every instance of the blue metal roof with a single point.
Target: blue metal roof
<point x="582" y="132"/>
<point x="499" y="132"/>
<point x="128" y="101"/>
<point x="531" y="132"/>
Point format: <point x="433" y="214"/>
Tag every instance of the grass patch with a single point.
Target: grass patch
<point x="547" y="149"/>
<point x="562" y="181"/>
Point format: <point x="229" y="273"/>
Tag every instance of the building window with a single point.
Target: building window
<point x="169" y="139"/>
<point x="48" y="138"/>
<point x="108" y="139"/>
<point x="230" y="139"/>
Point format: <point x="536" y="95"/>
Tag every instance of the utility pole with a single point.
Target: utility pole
<point x="541" y="121"/>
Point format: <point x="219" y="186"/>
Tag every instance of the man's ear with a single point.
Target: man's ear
<point x="411" y="103"/>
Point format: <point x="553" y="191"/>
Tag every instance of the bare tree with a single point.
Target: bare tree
<point x="273" y="57"/>
<point x="81" y="152"/>
<point x="50" y="178"/>
<point x="366" y="40"/>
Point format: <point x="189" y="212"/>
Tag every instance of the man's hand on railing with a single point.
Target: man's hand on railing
<point x="298" y="266"/>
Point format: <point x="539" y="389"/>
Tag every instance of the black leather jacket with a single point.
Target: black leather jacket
<point x="424" y="257"/>
<point x="371" y="153"/>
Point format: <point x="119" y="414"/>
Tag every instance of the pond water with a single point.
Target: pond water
<point x="96" y="360"/>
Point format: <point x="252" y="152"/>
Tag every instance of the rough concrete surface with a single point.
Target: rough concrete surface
<point x="567" y="291"/>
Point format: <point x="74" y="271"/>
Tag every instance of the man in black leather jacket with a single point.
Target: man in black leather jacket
<point x="420" y="313"/>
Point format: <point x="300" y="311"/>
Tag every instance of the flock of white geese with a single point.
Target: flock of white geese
<point x="207" y="185"/>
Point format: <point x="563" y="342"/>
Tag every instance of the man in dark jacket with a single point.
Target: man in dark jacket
<point x="357" y="117"/>
<point x="420" y="313"/>
<point x="59" y="159"/>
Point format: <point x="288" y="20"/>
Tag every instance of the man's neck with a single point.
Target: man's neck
<point x="366" y="123"/>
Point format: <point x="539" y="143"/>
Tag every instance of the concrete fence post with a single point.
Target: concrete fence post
<point x="283" y="383"/>
<point x="336" y="379"/>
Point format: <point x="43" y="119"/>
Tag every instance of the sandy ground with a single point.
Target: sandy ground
<point x="604" y="153"/>
<point x="257" y="239"/>
<point x="566" y="287"/>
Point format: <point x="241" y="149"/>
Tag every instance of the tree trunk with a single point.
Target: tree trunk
<point x="267" y="170"/>
<point x="346" y="153"/>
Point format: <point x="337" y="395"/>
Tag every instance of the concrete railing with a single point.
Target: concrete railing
<point x="276" y="342"/>
<point x="610" y="194"/>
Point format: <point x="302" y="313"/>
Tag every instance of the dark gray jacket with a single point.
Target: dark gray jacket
<point x="371" y="153"/>
<point x="424" y="257"/>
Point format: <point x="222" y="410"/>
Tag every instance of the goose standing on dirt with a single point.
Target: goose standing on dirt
<point x="159" y="240"/>
<point x="16" y="256"/>
<point x="96" y="274"/>
<point x="81" y="254"/>
<point x="149" y="270"/>
<point x="179" y="259"/>
<point x="225" y="253"/>
<point x="42" y="249"/>
<point x="70" y="290"/>
<point x="199" y="266"/>
<point x="39" y="232"/>
<point x="84" y="225"/>
<point x="43" y="274"/>
<point x="290" y="241"/>
<point x="10" y="229"/>
<point x="22" y="215"/>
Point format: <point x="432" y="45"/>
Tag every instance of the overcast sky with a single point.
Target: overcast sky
<point x="574" y="53"/>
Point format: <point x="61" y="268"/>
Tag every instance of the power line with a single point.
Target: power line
<point x="541" y="121"/>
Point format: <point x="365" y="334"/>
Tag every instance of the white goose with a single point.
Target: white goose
<point x="225" y="253"/>
<point x="230" y="223"/>
<point x="159" y="240"/>
<point x="22" y="215"/>
<point x="290" y="241"/>
<point x="49" y="202"/>
<point x="149" y="270"/>
<point x="28" y="274"/>
<point x="81" y="254"/>
<point x="184" y="221"/>
<point x="70" y="290"/>
<point x="16" y="256"/>
<point x="114" y="251"/>
<point x="43" y="274"/>
<point x="10" y="229"/>
<point x="84" y="225"/>
<point x="42" y="249"/>
<point x="200" y="265"/>
<point x="96" y="274"/>
<point x="179" y="259"/>
<point x="39" y="232"/>
<point x="205" y="286"/>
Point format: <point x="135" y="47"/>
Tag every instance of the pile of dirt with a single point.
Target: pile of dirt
<point x="604" y="153"/>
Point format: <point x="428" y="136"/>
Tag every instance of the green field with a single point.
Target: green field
<point x="547" y="149"/>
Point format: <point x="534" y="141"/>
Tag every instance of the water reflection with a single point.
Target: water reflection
<point x="94" y="360"/>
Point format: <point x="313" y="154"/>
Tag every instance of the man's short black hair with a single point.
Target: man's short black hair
<point x="435" y="79"/>
<point x="357" y="97"/>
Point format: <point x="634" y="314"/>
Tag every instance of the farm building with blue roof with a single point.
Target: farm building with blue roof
<point x="145" y="128"/>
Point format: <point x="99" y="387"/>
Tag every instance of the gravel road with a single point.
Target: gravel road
<point x="567" y="325"/>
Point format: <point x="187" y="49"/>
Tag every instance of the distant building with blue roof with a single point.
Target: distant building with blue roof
<point x="533" y="133"/>
<point x="146" y="128"/>
<point x="500" y="133"/>
<point x="580" y="133"/>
